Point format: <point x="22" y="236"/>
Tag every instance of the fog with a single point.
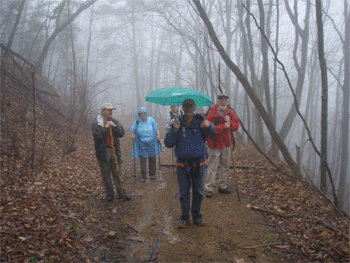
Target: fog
<point x="120" y="51"/>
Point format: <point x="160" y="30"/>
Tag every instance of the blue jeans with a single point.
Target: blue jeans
<point x="186" y="180"/>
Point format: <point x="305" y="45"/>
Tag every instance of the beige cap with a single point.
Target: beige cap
<point x="107" y="106"/>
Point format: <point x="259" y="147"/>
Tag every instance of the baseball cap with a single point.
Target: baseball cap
<point x="107" y="106"/>
<point x="222" y="95"/>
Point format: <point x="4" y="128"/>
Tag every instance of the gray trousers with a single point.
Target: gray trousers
<point x="107" y="167"/>
<point x="218" y="157"/>
<point x="152" y="166"/>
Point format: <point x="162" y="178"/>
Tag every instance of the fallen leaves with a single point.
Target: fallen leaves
<point x="297" y="211"/>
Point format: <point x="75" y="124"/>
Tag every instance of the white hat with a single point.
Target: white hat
<point x="107" y="106"/>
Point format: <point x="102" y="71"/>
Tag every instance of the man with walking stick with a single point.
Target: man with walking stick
<point x="219" y="152"/>
<point x="106" y="132"/>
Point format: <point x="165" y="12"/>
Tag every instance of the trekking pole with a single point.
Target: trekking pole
<point x="160" y="169"/>
<point x="116" y="162"/>
<point x="172" y="156"/>
<point x="133" y="148"/>
<point x="233" y="163"/>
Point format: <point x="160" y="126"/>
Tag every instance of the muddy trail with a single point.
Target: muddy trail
<point x="132" y="228"/>
<point x="58" y="213"/>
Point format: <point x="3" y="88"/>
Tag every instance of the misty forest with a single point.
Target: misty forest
<point x="285" y="66"/>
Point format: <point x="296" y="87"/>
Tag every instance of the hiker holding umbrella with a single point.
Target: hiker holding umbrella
<point x="188" y="135"/>
<point x="106" y="132"/>
<point x="146" y="142"/>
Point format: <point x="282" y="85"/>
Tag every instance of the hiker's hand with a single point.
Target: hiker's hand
<point x="227" y="125"/>
<point x="176" y="126"/>
<point x="158" y="137"/>
<point x="110" y="123"/>
<point x="171" y="122"/>
<point x="205" y="124"/>
<point x="227" y="118"/>
<point x="133" y="137"/>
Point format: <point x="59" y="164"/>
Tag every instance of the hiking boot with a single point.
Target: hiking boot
<point x="152" y="177"/>
<point x="143" y="180"/>
<point x="109" y="198"/>
<point x="209" y="194"/>
<point x="224" y="191"/>
<point x="127" y="197"/>
<point x="183" y="224"/>
<point x="199" y="222"/>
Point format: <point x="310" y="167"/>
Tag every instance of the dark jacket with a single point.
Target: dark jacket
<point x="100" y="136"/>
<point x="189" y="141"/>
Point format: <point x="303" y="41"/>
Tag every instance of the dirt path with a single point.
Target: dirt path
<point x="231" y="226"/>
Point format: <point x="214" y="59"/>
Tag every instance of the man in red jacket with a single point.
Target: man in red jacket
<point x="219" y="152"/>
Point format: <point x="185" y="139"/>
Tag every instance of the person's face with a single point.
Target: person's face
<point x="143" y="116"/>
<point x="188" y="109"/>
<point x="223" y="102"/>
<point x="174" y="108"/>
<point x="106" y="113"/>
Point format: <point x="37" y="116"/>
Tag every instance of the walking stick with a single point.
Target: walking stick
<point x="233" y="160"/>
<point x="233" y="163"/>
<point x="116" y="162"/>
<point x="160" y="169"/>
<point x="133" y="148"/>
<point x="172" y="156"/>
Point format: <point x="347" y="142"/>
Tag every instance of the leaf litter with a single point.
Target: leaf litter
<point x="57" y="211"/>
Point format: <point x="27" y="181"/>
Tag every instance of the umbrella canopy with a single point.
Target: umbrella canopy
<point x="176" y="95"/>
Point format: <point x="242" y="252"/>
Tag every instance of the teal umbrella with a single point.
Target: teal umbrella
<point x="176" y="95"/>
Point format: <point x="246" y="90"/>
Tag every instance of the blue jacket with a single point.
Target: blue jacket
<point x="189" y="141"/>
<point x="146" y="144"/>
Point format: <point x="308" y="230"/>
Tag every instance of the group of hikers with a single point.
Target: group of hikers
<point x="199" y="142"/>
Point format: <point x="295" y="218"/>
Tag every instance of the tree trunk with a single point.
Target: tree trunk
<point x="274" y="105"/>
<point x="18" y="18"/>
<point x="59" y="29"/>
<point x="135" y="60"/>
<point x="264" y="51"/>
<point x="259" y="129"/>
<point x="324" y="106"/>
<point x="248" y="88"/>
<point x="310" y="96"/>
<point x="304" y="35"/>
<point x="345" y="118"/>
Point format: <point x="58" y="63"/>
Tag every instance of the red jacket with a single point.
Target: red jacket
<point x="221" y="134"/>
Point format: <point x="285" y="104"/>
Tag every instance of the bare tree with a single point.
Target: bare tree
<point x="324" y="82"/>
<point x="303" y="34"/>
<point x="247" y="88"/>
<point x="264" y="51"/>
<point x="59" y="28"/>
<point x="345" y="118"/>
<point x="259" y="133"/>
<point x="18" y="18"/>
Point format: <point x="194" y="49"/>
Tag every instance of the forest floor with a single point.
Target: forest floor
<point x="59" y="214"/>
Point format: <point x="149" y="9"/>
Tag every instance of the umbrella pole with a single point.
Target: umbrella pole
<point x="116" y="162"/>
